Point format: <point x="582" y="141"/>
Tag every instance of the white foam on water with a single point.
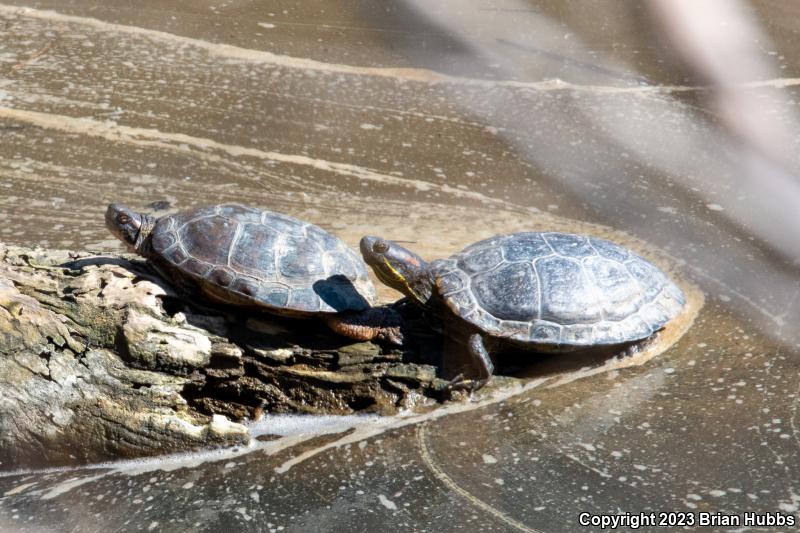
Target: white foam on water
<point x="286" y="425"/>
<point x="68" y="485"/>
<point x="20" y="488"/>
<point x="204" y="148"/>
<point x="236" y="53"/>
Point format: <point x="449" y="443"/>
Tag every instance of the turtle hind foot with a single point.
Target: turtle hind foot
<point x="375" y="323"/>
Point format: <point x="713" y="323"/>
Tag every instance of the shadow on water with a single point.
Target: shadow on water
<point x="532" y="364"/>
<point x="526" y="364"/>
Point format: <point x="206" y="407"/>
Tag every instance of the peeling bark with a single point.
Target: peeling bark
<point x="101" y="359"/>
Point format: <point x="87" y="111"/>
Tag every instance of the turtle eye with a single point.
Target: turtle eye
<point x="380" y="246"/>
<point x="122" y="218"/>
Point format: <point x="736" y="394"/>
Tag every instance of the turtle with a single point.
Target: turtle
<point x="239" y="255"/>
<point x="543" y="291"/>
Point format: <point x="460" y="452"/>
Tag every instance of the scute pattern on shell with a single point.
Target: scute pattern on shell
<point x="557" y="289"/>
<point x="272" y="259"/>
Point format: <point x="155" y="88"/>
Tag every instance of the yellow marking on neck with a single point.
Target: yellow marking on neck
<point x="402" y="279"/>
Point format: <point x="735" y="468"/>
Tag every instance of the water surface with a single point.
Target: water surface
<point x="396" y="120"/>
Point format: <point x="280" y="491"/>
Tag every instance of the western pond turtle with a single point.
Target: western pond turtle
<point x="549" y="292"/>
<point x="240" y="255"/>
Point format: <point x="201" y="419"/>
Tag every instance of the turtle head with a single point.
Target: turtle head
<point x="130" y="227"/>
<point x="398" y="267"/>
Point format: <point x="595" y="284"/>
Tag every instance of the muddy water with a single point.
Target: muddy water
<point x="389" y="121"/>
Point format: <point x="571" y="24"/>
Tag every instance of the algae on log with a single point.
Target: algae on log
<point x="99" y="359"/>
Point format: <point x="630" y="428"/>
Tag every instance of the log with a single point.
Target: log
<point x="101" y="359"/>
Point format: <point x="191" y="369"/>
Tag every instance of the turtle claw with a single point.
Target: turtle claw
<point x="392" y="335"/>
<point x="462" y="383"/>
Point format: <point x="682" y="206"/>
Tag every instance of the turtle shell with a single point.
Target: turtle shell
<point x="557" y="289"/>
<point x="243" y="255"/>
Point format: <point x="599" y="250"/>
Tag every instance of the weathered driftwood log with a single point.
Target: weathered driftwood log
<point x="100" y="359"/>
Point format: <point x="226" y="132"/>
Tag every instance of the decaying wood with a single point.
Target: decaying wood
<point x="100" y="359"/>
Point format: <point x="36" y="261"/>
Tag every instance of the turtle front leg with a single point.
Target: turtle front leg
<point x="480" y="356"/>
<point x="381" y="323"/>
<point x="475" y="369"/>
